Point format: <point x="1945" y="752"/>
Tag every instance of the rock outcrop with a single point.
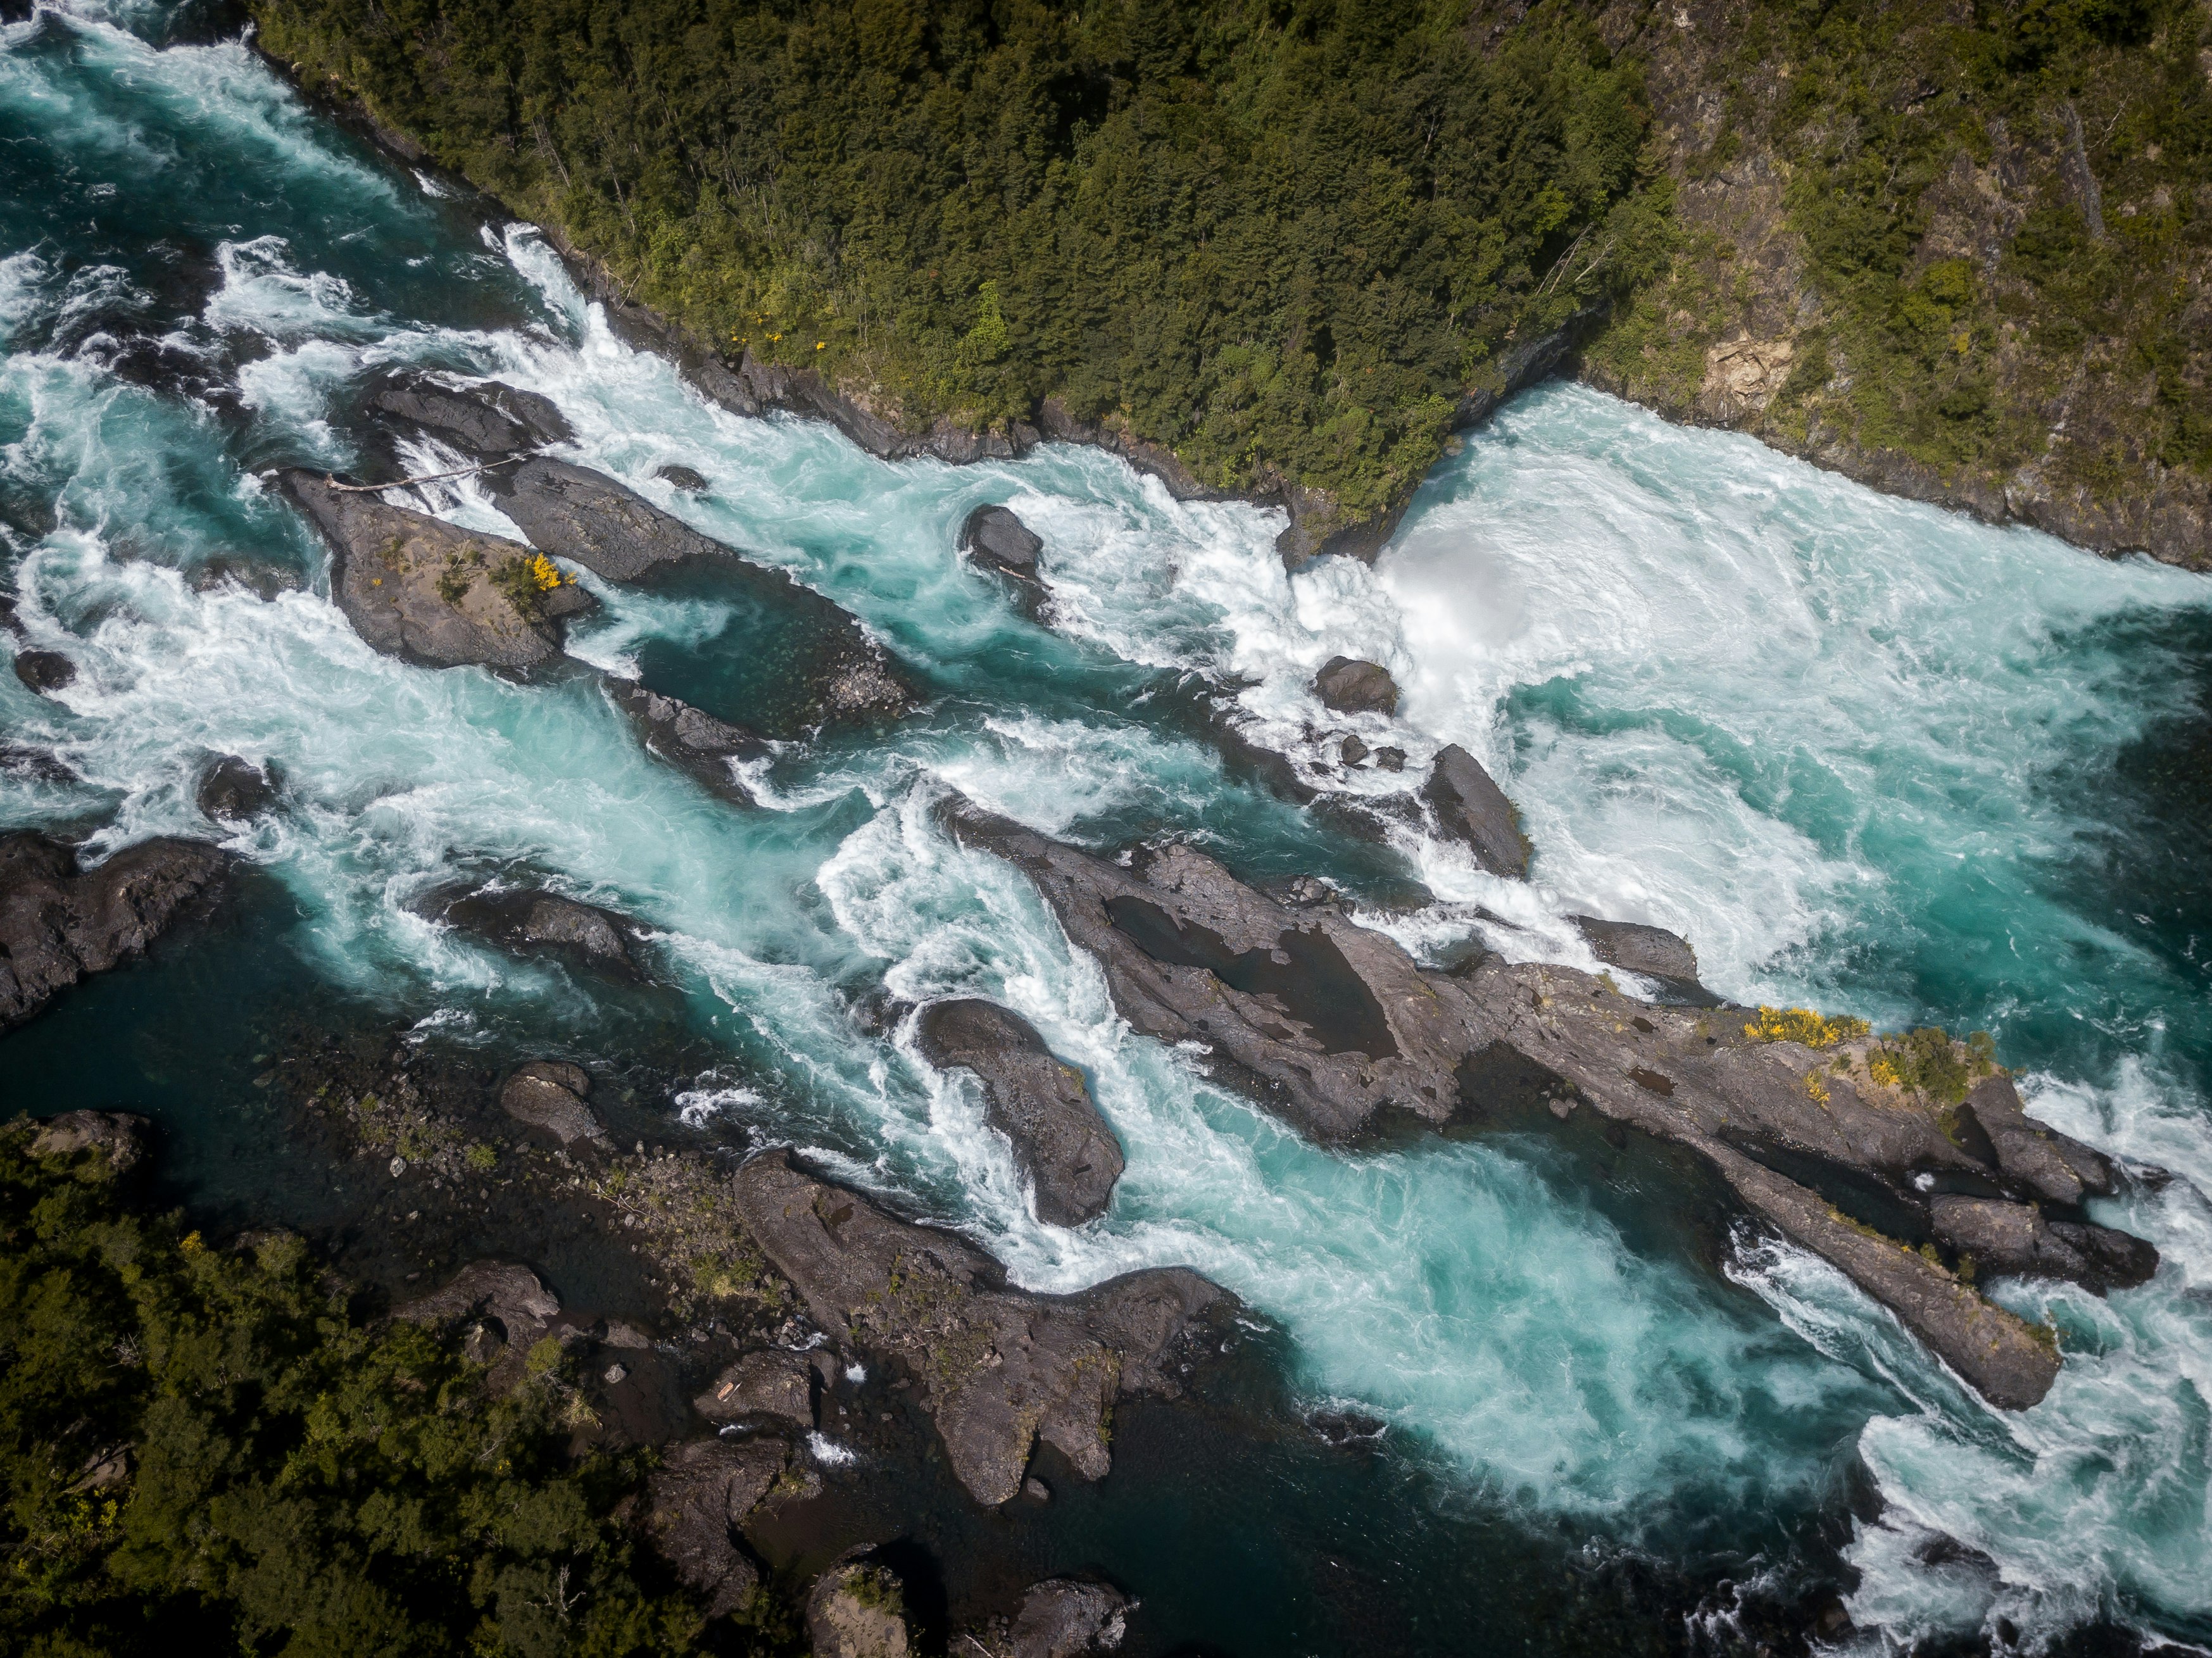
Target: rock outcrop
<point x="998" y="1369"/>
<point x="501" y="1308"/>
<point x="236" y="791"/>
<point x="1336" y="1029"/>
<point x="995" y="538"/>
<point x="690" y="737"/>
<point x="696" y="1500"/>
<point x="772" y="1384"/>
<point x="1066" y="1617"/>
<point x="486" y="421"/>
<point x="417" y="588"/>
<point x="58" y="922"/>
<point x="529" y="923"/>
<point x="1637" y="948"/>
<point x="1060" y="1142"/>
<point x="548" y="1094"/>
<point x="691" y="482"/>
<point x="1471" y="807"/>
<point x="858" y="1610"/>
<point x="119" y="1136"/>
<point x="1354" y="686"/>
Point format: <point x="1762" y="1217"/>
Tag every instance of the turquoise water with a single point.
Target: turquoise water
<point x="1861" y="752"/>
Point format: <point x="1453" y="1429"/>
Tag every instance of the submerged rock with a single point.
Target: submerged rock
<point x="1064" y="1618"/>
<point x="550" y="1095"/>
<point x="236" y="791"/>
<point x="1472" y="808"/>
<point x="58" y="922"/>
<point x="858" y="1610"/>
<point x="1060" y="1140"/>
<point x="998" y="1369"/>
<point x="694" y="739"/>
<point x="697" y="1499"/>
<point x="532" y="923"/>
<point x="993" y="536"/>
<point x="1635" y="948"/>
<point x="417" y="588"/>
<point x="1354" y="686"/>
<point x="45" y="672"/>
<point x="485" y="421"/>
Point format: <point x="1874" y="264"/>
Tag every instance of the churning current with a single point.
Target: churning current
<point x="1865" y="754"/>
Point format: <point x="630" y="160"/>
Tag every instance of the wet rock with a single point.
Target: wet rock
<point x="1472" y="808"/>
<point x="484" y="422"/>
<point x="59" y="922"/>
<point x="232" y="789"/>
<point x="535" y="923"/>
<point x="1064" y="1618"/>
<point x="774" y="1384"/>
<point x="995" y="536"/>
<point x="703" y="1491"/>
<point x="997" y="1369"/>
<point x="505" y="1308"/>
<point x="858" y="1610"/>
<point x="34" y="765"/>
<point x="1060" y="1142"/>
<point x="2040" y="1158"/>
<point x="1390" y="759"/>
<point x="1650" y="951"/>
<point x="550" y="1096"/>
<point x="118" y="1135"/>
<point x="2014" y="1239"/>
<point x="417" y="588"/>
<point x="45" y="672"/>
<point x="694" y="739"/>
<point x="1353" y="687"/>
<point x="691" y="482"/>
<point x="1352" y="751"/>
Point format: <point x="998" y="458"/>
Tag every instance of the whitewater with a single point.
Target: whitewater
<point x="1865" y="754"/>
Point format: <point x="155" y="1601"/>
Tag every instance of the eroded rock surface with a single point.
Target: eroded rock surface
<point x="772" y="1383"/>
<point x="485" y="421"/>
<point x="696" y="1500"/>
<point x="1353" y="687"/>
<point x="689" y="736"/>
<point x="45" y="672"/>
<point x="501" y="1308"/>
<point x="1650" y="951"/>
<point x="1060" y="1141"/>
<point x="59" y="922"/>
<point x="1065" y="1617"/>
<point x="550" y="1095"/>
<point x="998" y="1369"/>
<point x="1471" y="807"/>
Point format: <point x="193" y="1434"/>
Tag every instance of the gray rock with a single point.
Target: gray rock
<point x="232" y="790"/>
<point x="858" y="1610"/>
<point x="58" y="922"/>
<point x="586" y="517"/>
<point x="535" y="923"/>
<point x="1352" y="751"/>
<point x="696" y="741"/>
<point x="1060" y="1141"/>
<point x="486" y="421"/>
<point x="2014" y="1239"/>
<point x="45" y="672"/>
<point x="1353" y="687"/>
<point x="417" y="588"/>
<point x="1471" y="807"/>
<point x="697" y="1499"/>
<point x="691" y="482"/>
<point x="993" y="536"/>
<point x="1635" y="948"/>
<point x="2044" y="1161"/>
<point x="774" y="1384"/>
<point x="998" y="1369"/>
<point x="1064" y="1618"/>
<point x="1390" y="759"/>
<point x="545" y="1096"/>
<point x="118" y="1135"/>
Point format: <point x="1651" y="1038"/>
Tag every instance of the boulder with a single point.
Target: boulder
<point x="1353" y="751"/>
<point x="858" y="1610"/>
<point x="420" y="589"/>
<point x="1060" y="1142"/>
<point x="998" y="1369"/>
<point x="45" y="672"/>
<point x="2041" y="1159"/>
<point x="1353" y="687"/>
<point x="118" y="1135"/>
<point x="1390" y="759"/>
<point x="995" y="536"/>
<point x="59" y="922"/>
<point x="550" y="1095"/>
<point x="1066" y="1617"/>
<point x="692" y="739"/>
<point x="697" y="1499"/>
<point x="531" y="923"/>
<point x="2014" y="1239"/>
<point x="774" y="1384"/>
<point x="484" y="422"/>
<point x="1472" y="808"/>
<point x="691" y="482"/>
<point x="1635" y="948"/>
<point x="236" y="791"/>
<point x="504" y="1307"/>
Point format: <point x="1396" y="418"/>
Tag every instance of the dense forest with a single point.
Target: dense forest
<point x="1283" y="237"/>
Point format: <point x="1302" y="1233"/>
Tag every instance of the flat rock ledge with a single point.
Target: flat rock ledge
<point x="1338" y="1030"/>
<point x="59" y="922"/>
<point x="1061" y="1142"/>
<point x="998" y="1369"/>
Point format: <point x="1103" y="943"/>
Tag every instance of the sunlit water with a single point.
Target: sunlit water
<point x="1862" y="753"/>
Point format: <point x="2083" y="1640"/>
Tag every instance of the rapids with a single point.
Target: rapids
<point x="1864" y="754"/>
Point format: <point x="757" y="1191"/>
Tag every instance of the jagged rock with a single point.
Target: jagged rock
<point x="2042" y="1159"/>
<point x="58" y="923"/>
<point x="702" y="745"/>
<point x="1635" y="948"/>
<point x="1471" y="807"/>
<point x="858" y="1610"/>
<point x="507" y="1309"/>
<point x="998" y="1369"/>
<point x="1354" y="686"/>
<point x="707" y="1487"/>
<point x="118" y="1134"/>
<point x="2014" y="1238"/>
<point x="532" y="923"/>
<point x="993" y="536"/>
<point x="486" y="421"/>
<point x="774" y="1384"/>
<point x="232" y="790"/>
<point x="417" y="588"/>
<point x="691" y="482"/>
<point x="550" y="1095"/>
<point x="1064" y="1618"/>
<point x="1060" y="1140"/>
<point x="45" y="672"/>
